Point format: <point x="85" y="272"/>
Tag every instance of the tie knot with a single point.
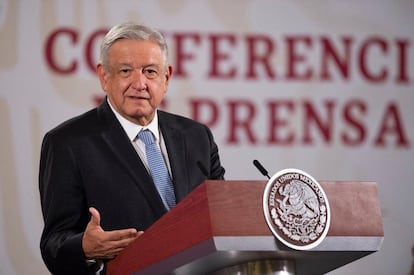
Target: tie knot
<point x="146" y="136"/>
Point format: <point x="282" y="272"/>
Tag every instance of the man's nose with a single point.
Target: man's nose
<point x="139" y="80"/>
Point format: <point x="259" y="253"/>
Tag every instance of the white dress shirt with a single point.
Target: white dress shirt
<point x="132" y="130"/>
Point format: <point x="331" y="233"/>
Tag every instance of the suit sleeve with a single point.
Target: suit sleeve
<point x="63" y="209"/>
<point x="216" y="169"/>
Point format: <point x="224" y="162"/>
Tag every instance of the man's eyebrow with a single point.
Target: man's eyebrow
<point x="152" y="65"/>
<point x="124" y="64"/>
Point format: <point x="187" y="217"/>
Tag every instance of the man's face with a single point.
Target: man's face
<point x="136" y="79"/>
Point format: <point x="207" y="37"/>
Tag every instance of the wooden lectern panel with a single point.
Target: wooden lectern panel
<point x="221" y="223"/>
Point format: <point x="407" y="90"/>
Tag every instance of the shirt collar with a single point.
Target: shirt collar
<point x="133" y="129"/>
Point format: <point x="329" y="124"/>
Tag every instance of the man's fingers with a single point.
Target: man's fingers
<point x="121" y="244"/>
<point x="95" y="216"/>
<point x="117" y="235"/>
<point x="118" y="240"/>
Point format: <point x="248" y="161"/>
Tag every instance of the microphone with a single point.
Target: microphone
<point x="261" y="168"/>
<point x="202" y="168"/>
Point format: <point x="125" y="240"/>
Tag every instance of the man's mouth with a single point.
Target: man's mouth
<point x="139" y="97"/>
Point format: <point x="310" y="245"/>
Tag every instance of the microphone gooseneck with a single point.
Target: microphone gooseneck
<point x="260" y="167"/>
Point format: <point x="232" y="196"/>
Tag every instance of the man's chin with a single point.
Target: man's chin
<point x="141" y="117"/>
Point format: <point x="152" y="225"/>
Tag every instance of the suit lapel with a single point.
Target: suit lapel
<point x="121" y="147"/>
<point x="175" y="144"/>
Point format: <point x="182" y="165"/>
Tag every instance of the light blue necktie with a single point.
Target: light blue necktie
<point x="158" y="169"/>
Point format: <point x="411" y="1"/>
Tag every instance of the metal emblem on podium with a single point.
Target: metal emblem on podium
<point x="296" y="209"/>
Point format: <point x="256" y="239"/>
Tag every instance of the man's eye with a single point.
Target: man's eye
<point x="124" y="71"/>
<point x="150" y="73"/>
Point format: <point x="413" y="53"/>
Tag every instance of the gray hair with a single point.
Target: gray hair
<point x="130" y="30"/>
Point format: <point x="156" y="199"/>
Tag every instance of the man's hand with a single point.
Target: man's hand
<point x="100" y="244"/>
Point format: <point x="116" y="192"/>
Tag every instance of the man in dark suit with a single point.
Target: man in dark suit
<point x="96" y="185"/>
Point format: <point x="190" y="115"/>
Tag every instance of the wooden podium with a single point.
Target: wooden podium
<point x="221" y="225"/>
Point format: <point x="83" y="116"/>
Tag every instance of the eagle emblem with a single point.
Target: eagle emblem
<point x="296" y="209"/>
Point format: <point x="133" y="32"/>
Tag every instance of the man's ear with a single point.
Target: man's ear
<point x="100" y="71"/>
<point x="168" y="74"/>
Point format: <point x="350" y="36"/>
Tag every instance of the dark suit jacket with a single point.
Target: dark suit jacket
<point x="89" y="161"/>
